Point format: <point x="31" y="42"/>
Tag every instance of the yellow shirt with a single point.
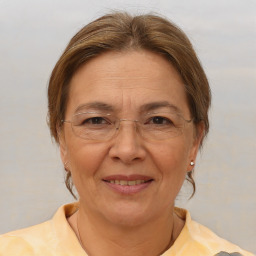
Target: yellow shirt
<point x="56" y="238"/>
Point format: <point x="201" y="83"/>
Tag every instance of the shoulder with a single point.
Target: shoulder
<point x="53" y="237"/>
<point x="23" y="241"/>
<point x="200" y="240"/>
<point x="209" y="239"/>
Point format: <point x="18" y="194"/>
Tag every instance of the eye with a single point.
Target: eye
<point x="91" y="120"/>
<point x="95" y="121"/>
<point x="160" y="120"/>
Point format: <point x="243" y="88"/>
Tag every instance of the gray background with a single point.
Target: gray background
<point x="34" y="33"/>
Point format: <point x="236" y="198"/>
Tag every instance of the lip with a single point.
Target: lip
<point x="127" y="177"/>
<point x="128" y="189"/>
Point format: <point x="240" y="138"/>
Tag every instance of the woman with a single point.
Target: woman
<point x="128" y="106"/>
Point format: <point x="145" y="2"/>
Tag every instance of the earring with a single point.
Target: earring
<point x="192" y="163"/>
<point x="65" y="166"/>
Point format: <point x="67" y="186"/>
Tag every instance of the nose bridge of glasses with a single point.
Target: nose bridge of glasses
<point x="118" y="123"/>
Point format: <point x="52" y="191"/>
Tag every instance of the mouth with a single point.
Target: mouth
<point x="128" y="184"/>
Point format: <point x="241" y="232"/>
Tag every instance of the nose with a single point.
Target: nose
<point x="127" y="144"/>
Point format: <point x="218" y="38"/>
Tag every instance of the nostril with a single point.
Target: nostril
<point x="115" y="158"/>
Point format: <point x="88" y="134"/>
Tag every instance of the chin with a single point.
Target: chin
<point x="128" y="215"/>
<point x="128" y="220"/>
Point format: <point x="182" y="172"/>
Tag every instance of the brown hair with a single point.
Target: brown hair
<point x="119" y="32"/>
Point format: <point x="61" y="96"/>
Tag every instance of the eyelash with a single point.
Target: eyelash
<point x="165" y="119"/>
<point x="92" y="120"/>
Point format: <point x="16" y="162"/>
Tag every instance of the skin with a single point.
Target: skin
<point x="128" y="224"/>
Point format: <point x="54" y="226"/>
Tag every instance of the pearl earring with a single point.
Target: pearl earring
<point x="192" y="163"/>
<point x="65" y="166"/>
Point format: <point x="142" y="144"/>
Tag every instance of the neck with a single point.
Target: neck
<point x="99" y="237"/>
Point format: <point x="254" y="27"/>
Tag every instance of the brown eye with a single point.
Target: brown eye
<point x="93" y="121"/>
<point x="96" y="120"/>
<point x="160" y="120"/>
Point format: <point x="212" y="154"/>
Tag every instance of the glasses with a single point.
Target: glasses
<point x="102" y="127"/>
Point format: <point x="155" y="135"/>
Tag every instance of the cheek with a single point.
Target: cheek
<point x="172" y="155"/>
<point x="172" y="159"/>
<point x="85" y="159"/>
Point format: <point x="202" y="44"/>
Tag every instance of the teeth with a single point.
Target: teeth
<point x="123" y="182"/>
<point x="132" y="182"/>
<point x="126" y="182"/>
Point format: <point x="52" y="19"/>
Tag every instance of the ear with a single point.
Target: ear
<point x="63" y="147"/>
<point x="198" y="138"/>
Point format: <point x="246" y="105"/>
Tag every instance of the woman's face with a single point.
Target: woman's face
<point x="124" y="85"/>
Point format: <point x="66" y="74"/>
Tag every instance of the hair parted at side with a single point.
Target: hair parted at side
<point x="120" y="31"/>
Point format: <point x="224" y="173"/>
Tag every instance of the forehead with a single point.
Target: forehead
<point x="127" y="80"/>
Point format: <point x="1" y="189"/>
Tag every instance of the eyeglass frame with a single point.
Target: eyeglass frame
<point x="118" y="121"/>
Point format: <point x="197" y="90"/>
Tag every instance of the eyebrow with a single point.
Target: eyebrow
<point x="160" y="104"/>
<point x="97" y="105"/>
<point x="101" y="106"/>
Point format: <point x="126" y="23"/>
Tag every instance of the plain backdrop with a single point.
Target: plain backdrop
<point x="33" y="35"/>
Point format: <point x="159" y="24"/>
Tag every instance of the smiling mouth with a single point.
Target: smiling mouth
<point x="127" y="182"/>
